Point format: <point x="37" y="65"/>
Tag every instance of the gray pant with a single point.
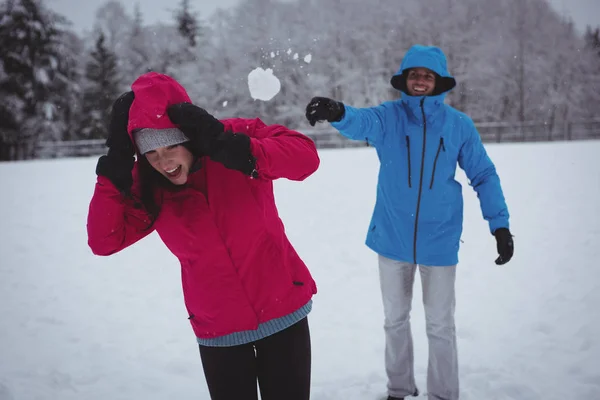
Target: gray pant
<point x="397" y="279"/>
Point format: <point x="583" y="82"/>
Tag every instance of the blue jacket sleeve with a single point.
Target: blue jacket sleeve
<point x="480" y="170"/>
<point x="366" y="124"/>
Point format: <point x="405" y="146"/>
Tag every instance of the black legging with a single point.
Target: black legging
<point x="281" y="363"/>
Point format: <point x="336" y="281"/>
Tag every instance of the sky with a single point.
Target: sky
<point x="81" y="13"/>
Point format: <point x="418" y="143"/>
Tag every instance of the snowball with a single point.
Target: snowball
<point x="263" y="84"/>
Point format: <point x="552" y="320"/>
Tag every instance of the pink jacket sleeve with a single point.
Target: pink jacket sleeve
<point x="114" y="222"/>
<point x="280" y="152"/>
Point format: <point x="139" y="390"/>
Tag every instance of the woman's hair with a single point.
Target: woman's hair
<point x="150" y="180"/>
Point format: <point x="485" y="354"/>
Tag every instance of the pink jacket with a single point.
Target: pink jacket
<point x="238" y="267"/>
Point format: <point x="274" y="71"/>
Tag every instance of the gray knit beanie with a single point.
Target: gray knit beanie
<point x="149" y="139"/>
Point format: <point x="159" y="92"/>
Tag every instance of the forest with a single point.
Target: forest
<point x="514" y="60"/>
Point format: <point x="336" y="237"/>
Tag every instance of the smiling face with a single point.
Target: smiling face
<point x="420" y="82"/>
<point x="173" y="162"/>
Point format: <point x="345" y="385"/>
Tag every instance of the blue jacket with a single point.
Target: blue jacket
<point x="418" y="215"/>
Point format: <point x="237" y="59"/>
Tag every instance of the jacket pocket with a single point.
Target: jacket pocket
<point x="441" y="147"/>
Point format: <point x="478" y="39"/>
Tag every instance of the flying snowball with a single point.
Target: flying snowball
<point x="263" y="84"/>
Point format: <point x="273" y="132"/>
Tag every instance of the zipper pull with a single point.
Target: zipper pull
<point x="442" y="144"/>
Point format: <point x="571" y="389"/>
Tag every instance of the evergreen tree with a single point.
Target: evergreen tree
<point x="137" y="59"/>
<point x="592" y="39"/>
<point x="32" y="76"/>
<point x="138" y="21"/>
<point x="68" y="93"/>
<point x="187" y="23"/>
<point x="101" y="89"/>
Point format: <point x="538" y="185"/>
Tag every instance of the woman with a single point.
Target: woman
<point x="206" y="187"/>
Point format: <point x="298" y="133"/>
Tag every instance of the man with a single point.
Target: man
<point x="418" y="215"/>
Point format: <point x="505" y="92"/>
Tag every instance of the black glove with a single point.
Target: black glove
<point x="504" y="245"/>
<point x="233" y="151"/>
<point x="208" y="138"/>
<point x="198" y="125"/>
<point x="324" y="109"/>
<point x="117" y="164"/>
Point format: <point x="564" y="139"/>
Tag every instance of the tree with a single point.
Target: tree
<point x="592" y="39"/>
<point x="114" y="23"/>
<point x="138" y="55"/>
<point x="32" y="75"/>
<point x="67" y="95"/>
<point x="187" y="23"/>
<point x="591" y="73"/>
<point x="101" y="90"/>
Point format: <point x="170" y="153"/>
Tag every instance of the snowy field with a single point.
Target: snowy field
<point x="77" y="326"/>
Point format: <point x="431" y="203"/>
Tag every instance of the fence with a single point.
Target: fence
<point x="491" y="132"/>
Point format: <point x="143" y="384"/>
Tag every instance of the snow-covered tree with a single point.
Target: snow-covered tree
<point x="135" y="59"/>
<point x="34" y="73"/>
<point x="114" y="23"/>
<point x="67" y="94"/>
<point x="101" y="89"/>
<point x="187" y="23"/>
<point x="592" y="39"/>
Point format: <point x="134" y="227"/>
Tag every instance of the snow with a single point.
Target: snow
<point x="308" y="58"/>
<point x="263" y="84"/>
<point x="41" y="76"/>
<point x="78" y="326"/>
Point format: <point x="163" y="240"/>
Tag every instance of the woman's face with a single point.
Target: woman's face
<point x="173" y="162"/>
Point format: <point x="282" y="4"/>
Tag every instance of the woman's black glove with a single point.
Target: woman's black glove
<point x="208" y="138"/>
<point x="117" y="164"/>
<point x="198" y="125"/>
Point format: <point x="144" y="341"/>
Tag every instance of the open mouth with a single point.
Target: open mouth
<point x="174" y="173"/>
<point x="420" y="89"/>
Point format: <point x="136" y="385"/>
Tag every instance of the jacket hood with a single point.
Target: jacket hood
<point x="429" y="57"/>
<point x="154" y="93"/>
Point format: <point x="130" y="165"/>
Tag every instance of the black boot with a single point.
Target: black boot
<point x="415" y="394"/>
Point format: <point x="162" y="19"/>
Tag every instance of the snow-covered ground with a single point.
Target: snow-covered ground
<point x="77" y="326"/>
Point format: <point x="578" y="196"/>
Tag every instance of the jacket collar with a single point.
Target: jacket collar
<point x="415" y="105"/>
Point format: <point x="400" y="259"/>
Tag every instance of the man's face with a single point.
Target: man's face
<point x="420" y="82"/>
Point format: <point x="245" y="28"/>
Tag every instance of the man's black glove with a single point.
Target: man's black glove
<point x="117" y="164"/>
<point x="208" y="138"/>
<point x="198" y="125"/>
<point x="504" y="245"/>
<point x="324" y="109"/>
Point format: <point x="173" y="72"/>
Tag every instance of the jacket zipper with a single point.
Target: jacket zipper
<point x="409" y="170"/>
<point x="420" y="182"/>
<point x="440" y="147"/>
